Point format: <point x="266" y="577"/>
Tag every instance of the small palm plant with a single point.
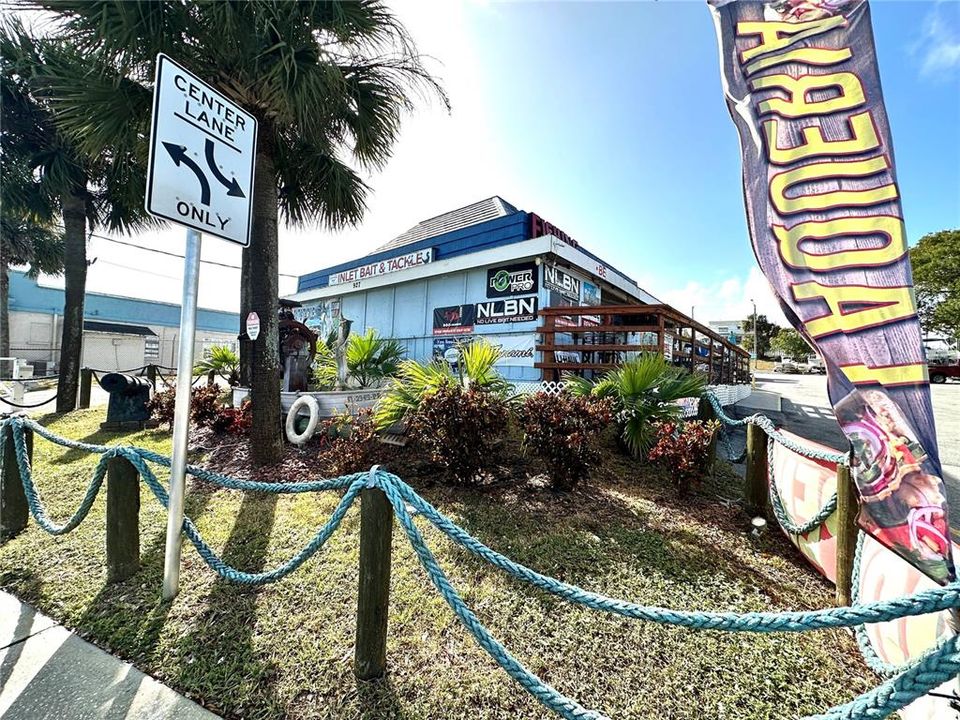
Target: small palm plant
<point x="416" y="380"/>
<point x="371" y="358"/>
<point x="645" y="390"/>
<point x="221" y="361"/>
<point x="325" y="366"/>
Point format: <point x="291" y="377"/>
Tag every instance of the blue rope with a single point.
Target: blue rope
<point x="932" y="600"/>
<point x="784" y="518"/>
<point x="766" y="424"/>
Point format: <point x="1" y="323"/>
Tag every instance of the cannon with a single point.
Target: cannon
<point x="129" y="395"/>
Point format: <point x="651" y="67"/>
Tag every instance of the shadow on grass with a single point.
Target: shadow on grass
<point x="218" y="655"/>
<point x="629" y="516"/>
<point x="130" y="615"/>
<point x="377" y="699"/>
<point x="100" y="437"/>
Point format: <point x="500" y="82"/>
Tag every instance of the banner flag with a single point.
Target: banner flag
<point x="824" y="213"/>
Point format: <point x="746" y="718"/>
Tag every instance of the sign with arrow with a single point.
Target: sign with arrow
<point x="202" y="152"/>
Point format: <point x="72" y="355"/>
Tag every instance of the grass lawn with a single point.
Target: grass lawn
<point x="286" y="650"/>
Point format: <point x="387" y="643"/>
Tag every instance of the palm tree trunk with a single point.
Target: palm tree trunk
<point x="262" y="292"/>
<point x="246" y="347"/>
<point x="75" y="277"/>
<point x="4" y="310"/>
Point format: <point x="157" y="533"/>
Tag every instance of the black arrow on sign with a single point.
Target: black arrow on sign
<point x="179" y="155"/>
<point x="233" y="187"/>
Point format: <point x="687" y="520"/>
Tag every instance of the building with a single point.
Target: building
<point x="491" y="270"/>
<point x="732" y="330"/>
<point x="119" y="333"/>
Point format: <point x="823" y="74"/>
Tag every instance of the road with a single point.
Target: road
<point x="807" y="412"/>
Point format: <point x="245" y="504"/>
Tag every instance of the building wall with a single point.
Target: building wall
<point x="36" y="324"/>
<point x="27" y="296"/>
<point x="404" y="311"/>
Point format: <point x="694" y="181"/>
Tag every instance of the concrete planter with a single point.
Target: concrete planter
<point x="332" y="402"/>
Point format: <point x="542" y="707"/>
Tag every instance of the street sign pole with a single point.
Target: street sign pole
<point x="199" y="175"/>
<point x="181" y="416"/>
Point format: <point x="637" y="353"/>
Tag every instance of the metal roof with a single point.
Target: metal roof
<point x="478" y="212"/>
<point x="117" y="328"/>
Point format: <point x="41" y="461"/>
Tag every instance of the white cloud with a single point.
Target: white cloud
<point x="940" y="41"/>
<point x="728" y="299"/>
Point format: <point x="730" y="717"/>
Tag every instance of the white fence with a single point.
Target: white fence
<point x="726" y="394"/>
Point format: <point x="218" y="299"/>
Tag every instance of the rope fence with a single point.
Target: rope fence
<point x="904" y="685"/>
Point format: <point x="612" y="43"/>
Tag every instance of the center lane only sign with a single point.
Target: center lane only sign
<point x="202" y="153"/>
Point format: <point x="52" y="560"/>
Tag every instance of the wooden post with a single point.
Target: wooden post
<point x="376" y="533"/>
<point x="123" y="519"/>
<point x="705" y="410"/>
<point x="757" y="479"/>
<point x="86" y="380"/>
<point x="848" y="507"/>
<point x="14" y="510"/>
<point x="152" y="376"/>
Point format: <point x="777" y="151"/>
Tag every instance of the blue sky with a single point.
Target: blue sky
<point x="608" y="120"/>
<point x="615" y="113"/>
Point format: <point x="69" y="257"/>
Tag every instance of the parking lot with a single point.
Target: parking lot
<point x="807" y="412"/>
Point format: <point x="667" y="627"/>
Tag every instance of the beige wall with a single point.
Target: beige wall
<point x="36" y="337"/>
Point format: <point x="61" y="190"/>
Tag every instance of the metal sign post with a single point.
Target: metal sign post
<point x="181" y="415"/>
<point x="202" y="155"/>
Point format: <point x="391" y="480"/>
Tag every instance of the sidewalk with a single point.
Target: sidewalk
<point x="48" y="672"/>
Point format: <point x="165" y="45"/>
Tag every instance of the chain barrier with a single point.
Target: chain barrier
<point x="29" y="406"/>
<point x="936" y="667"/>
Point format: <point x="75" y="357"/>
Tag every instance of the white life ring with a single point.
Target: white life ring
<point x="291" y="424"/>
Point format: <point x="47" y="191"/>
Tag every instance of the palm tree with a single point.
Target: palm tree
<point x="28" y="236"/>
<point x="328" y="83"/>
<point x="101" y="189"/>
<point x="221" y="361"/>
<point x="371" y="358"/>
<point x="645" y="390"/>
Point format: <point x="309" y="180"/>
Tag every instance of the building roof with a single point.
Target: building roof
<point x="27" y="295"/>
<point x="478" y="212"/>
<point x="117" y="328"/>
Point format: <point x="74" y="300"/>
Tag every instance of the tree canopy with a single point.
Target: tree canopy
<point x="765" y="332"/>
<point x="936" y="277"/>
<point x="789" y="343"/>
<point x="328" y="82"/>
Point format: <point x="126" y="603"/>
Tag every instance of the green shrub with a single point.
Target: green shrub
<point x="458" y="428"/>
<point x="562" y="430"/>
<point x="234" y="420"/>
<point x="220" y="360"/>
<point x="349" y="444"/>
<point x="645" y="391"/>
<point x="371" y="359"/>
<point x="415" y="381"/>
<point x="161" y="406"/>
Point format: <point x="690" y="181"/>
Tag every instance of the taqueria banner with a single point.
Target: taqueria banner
<point x="825" y="219"/>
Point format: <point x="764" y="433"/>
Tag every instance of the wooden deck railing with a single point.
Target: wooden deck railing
<point x="589" y="340"/>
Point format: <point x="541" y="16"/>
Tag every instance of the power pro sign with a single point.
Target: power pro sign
<point x="202" y="152"/>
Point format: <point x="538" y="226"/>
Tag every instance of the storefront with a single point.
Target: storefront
<point x="483" y="270"/>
